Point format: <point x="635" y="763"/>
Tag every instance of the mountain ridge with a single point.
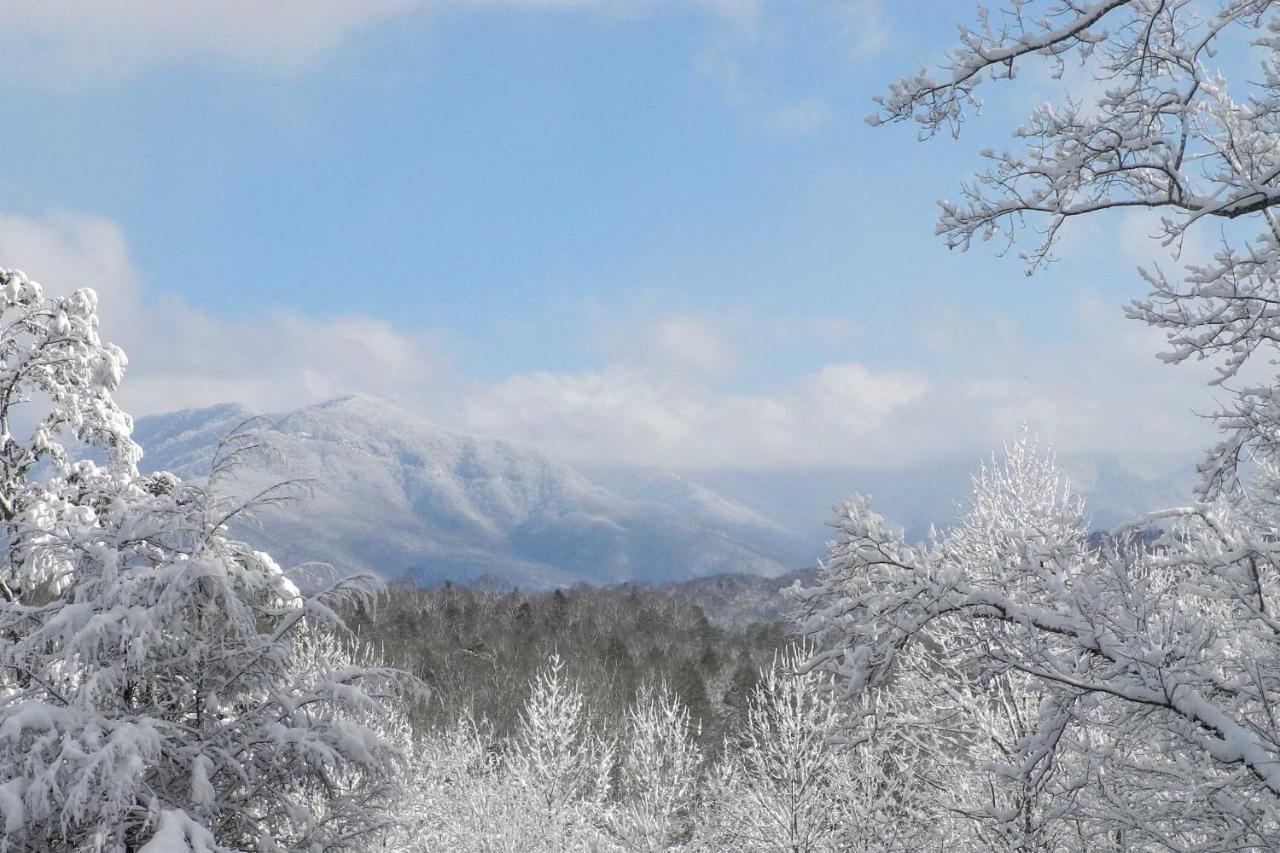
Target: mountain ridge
<point x="404" y="497"/>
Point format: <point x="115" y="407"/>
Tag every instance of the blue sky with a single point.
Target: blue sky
<point x="633" y="232"/>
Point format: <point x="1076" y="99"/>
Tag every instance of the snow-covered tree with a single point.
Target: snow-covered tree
<point x="546" y="788"/>
<point x="959" y="709"/>
<point x="559" y="766"/>
<point x="359" y="799"/>
<point x="1182" y="117"/>
<point x="790" y="783"/>
<point x="56" y="384"/>
<point x="1111" y="698"/>
<point x="156" y="692"/>
<point x="457" y="794"/>
<point x="661" y="767"/>
<point x="778" y="788"/>
<point x="1156" y="668"/>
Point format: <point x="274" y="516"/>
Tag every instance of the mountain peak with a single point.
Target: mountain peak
<point x="400" y="495"/>
<point x="187" y="436"/>
<point x="364" y="406"/>
<point x="369" y="412"/>
<point x="357" y="400"/>
<point x="204" y="414"/>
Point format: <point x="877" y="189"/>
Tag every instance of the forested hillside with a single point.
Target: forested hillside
<point x="480" y="651"/>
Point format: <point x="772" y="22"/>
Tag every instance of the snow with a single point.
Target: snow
<point x="451" y="505"/>
<point x="176" y="832"/>
<point x="202" y="793"/>
<point x="12" y="807"/>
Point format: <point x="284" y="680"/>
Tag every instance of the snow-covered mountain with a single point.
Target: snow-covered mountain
<point x="399" y="496"/>
<point x="676" y="491"/>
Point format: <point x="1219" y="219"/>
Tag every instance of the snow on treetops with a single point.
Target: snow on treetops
<point x="163" y="686"/>
<point x="1070" y="693"/>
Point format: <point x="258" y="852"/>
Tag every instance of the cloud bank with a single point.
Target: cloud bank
<point x="668" y="395"/>
<point x="87" y="42"/>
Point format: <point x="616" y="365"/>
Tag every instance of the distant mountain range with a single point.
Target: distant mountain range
<point x="403" y="497"/>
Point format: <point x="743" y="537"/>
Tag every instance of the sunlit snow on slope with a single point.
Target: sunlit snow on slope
<point x="401" y="496"/>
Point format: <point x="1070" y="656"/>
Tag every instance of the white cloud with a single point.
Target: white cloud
<point x="677" y="407"/>
<point x="71" y="247"/>
<point x="181" y="357"/>
<point x="275" y="362"/>
<point x="81" y="42"/>
<point x="864" y="27"/>
<point x="86" y="41"/>
<point x="692" y="344"/>
<point x="746" y="54"/>
<point x="1106" y="394"/>
<point x="616" y="416"/>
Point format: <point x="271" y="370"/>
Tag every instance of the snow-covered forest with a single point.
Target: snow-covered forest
<point x="1017" y="681"/>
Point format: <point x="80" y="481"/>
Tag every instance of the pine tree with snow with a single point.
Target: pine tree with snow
<point x="791" y="783"/>
<point x="559" y="766"/>
<point x="661" y="768"/>
<point x="456" y="794"/>
<point x="544" y="789"/>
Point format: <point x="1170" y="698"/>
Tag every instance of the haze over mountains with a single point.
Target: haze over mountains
<point x="403" y="497"/>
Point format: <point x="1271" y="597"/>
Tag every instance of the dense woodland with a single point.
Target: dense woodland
<point x="479" y="651"/>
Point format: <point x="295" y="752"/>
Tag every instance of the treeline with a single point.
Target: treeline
<point x="559" y="782"/>
<point x="479" y="651"/>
